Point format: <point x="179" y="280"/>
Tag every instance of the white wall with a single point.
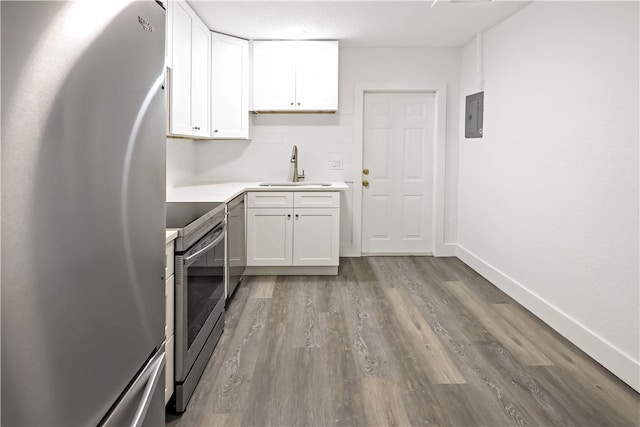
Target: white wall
<point x="322" y="138"/>
<point x="548" y="198"/>
<point x="181" y="162"/>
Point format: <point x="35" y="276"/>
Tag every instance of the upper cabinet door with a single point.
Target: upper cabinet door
<point x="295" y="76"/>
<point x="200" y="60"/>
<point x="317" y="76"/>
<point x="229" y="87"/>
<point x="190" y="67"/>
<point x="274" y="75"/>
<point x="180" y="100"/>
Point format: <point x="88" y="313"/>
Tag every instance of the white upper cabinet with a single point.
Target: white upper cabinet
<point x="229" y="87"/>
<point x="317" y="77"/>
<point x="295" y="76"/>
<point x="190" y="61"/>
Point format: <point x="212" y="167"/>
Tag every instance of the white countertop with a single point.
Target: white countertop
<point x="224" y="192"/>
<point x="171" y="235"/>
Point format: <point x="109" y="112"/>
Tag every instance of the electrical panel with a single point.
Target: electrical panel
<point x="473" y="115"/>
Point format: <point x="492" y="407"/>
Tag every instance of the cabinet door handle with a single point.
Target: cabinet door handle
<point x="292" y="103"/>
<point x="297" y="216"/>
<point x="288" y="216"/>
<point x="215" y="131"/>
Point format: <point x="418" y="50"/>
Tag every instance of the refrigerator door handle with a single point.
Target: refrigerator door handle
<point x="147" y="379"/>
<point x="155" y="372"/>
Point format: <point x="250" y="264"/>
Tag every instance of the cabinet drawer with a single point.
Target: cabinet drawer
<point x="169" y="306"/>
<point x="268" y="199"/>
<point x="168" y="260"/>
<point x="318" y="199"/>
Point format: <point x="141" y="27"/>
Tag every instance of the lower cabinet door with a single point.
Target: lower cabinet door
<point x="269" y="236"/>
<point x="316" y="236"/>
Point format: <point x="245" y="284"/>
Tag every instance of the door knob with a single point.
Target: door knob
<point x="365" y="183"/>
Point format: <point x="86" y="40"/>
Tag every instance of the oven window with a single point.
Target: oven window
<point x="205" y="289"/>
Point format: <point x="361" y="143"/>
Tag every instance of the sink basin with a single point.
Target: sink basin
<point x="295" y="184"/>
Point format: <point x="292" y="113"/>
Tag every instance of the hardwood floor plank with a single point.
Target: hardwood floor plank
<point x="339" y="355"/>
<point x="421" y="397"/>
<point x="236" y="372"/>
<point x="539" y="403"/>
<point x="465" y="408"/>
<point x="585" y="402"/>
<point x="486" y="385"/>
<point x="362" y="270"/>
<point x="306" y="315"/>
<point x="441" y="303"/>
<point x="443" y="313"/>
<point x="261" y="286"/>
<point x="427" y="347"/>
<point x="273" y="380"/>
<point x="362" y="329"/>
<point x="386" y="272"/>
<point x="412" y="381"/>
<point x="478" y="284"/>
<point x="198" y="410"/>
<point x="382" y="403"/>
<point x="235" y="307"/>
<point x="436" y="271"/>
<point x="516" y="341"/>
<point x="588" y="374"/>
<point x="346" y="274"/>
<point x="223" y="420"/>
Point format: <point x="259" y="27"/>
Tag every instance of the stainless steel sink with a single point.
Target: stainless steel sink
<point x="295" y="184"/>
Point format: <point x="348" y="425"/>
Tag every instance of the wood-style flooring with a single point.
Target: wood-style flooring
<point x="397" y="341"/>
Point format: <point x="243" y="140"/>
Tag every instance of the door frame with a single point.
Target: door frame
<point x="439" y="152"/>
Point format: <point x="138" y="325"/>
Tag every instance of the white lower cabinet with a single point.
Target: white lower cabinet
<point x="303" y="233"/>
<point x="269" y="233"/>
<point x="315" y="236"/>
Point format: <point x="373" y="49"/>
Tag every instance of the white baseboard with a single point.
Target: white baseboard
<point x="447" y="250"/>
<point x="605" y="353"/>
<point x="291" y="271"/>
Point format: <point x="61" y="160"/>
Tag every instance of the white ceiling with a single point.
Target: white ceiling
<point x="358" y="23"/>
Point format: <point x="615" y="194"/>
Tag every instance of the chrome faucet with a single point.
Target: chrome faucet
<point x="297" y="177"/>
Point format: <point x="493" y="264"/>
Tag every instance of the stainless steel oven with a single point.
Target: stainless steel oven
<point x="199" y="290"/>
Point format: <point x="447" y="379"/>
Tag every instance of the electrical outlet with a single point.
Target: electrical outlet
<point x="336" y="164"/>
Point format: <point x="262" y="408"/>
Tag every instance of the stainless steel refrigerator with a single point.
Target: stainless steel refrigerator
<point x="83" y="212"/>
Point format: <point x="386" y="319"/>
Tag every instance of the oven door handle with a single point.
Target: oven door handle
<point x="187" y="260"/>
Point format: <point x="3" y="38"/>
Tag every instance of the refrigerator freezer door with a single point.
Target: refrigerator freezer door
<point x="83" y="216"/>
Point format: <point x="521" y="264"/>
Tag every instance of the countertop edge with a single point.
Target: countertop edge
<point x="172" y="233"/>
<point x="224" y="192"/>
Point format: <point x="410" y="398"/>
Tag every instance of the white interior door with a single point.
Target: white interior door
<point x="397" y="204"/>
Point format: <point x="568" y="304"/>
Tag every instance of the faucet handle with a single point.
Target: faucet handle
<point x="301" y="176"/>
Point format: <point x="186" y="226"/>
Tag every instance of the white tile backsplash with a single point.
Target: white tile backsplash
<point x="319" y="137"/>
